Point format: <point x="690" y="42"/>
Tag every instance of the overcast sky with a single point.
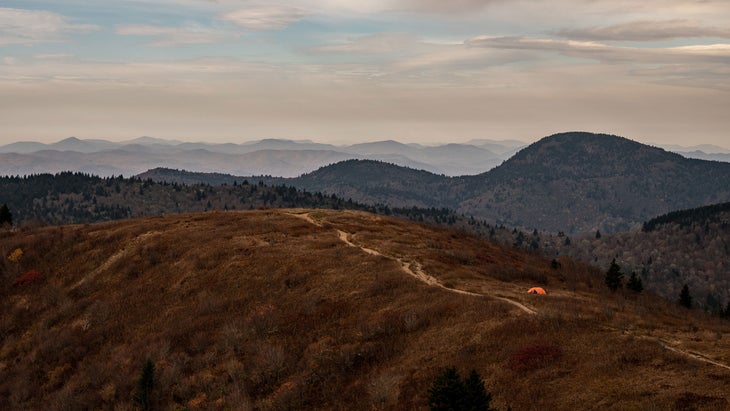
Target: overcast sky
<point x="352" y="70"/>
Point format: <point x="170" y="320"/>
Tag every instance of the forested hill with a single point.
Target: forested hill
<point x="583" y="182"/>
<point x="691" y="217"/>
<point x="686" y="247"/>
<point x="68" y="198"/>
<point x="571" y="182"/>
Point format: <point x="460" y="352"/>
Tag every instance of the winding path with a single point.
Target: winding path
<point x="412" y="269"/>
<point x="417" y="272"/>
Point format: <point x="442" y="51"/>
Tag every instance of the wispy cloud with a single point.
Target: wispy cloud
<point x="646" y="31"/>
<point x="605" y="52"/>
<point x="175" y="36"/>
<point x="373" y="44"/>
<point x="265" y="17"/>
<point x="19" y="26"/>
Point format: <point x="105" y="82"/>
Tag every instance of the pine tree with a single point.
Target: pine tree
<point x="598" y="233"/>
<point x="476" y="397"/>
<point x="6" y="217"/>
<point x="143" y="395"/>
<point x="450" y="393"/>
<point x="614" y="276"/>
<point x="447" y="391"/>
<point x="685" y="298"/>
<point x="634" y="283"/>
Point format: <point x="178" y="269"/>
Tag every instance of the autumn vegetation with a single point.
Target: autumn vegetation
<point x="266" y="310"/>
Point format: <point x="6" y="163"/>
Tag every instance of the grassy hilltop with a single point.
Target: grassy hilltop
<point x="318" y="309"/>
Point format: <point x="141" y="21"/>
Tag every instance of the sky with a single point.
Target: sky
<point x="343" y="71"/>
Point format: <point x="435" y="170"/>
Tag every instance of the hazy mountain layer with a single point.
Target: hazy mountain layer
<point x="281" y="158"/>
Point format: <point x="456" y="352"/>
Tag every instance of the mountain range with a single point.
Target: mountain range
<point x="285" y="158"/>
<point x="572" y="182"/>
<point x="274" y="157"/>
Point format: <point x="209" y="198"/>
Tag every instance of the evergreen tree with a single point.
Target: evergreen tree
<point x="143" y="395"/>
<point x="634" y="283"/>
<point x="685" y="298"/>
<point x="6" y="217"/>
<point x="450" y="393"/>
<point x="447" y="392"/>
<point x="614" y="276"/>
<point x="476" y="397"/>
<point x="598" y="233"/>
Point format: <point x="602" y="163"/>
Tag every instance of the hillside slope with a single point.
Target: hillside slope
<point x="583" y="182"/>
<point x="314" y="309"/>
<point x="684" y="247"/>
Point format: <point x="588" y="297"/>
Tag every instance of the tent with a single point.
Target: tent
<point x="536" y="290"/>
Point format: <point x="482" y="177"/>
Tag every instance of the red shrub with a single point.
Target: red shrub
<point x="29" y="277"/>
<point x="534" y="356"/>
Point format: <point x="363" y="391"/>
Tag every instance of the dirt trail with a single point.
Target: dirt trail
<point x="417" y="272"/>
<point x="412" y="269"/>
<point x="306" y="217"/>
<point x="693" y="355"/>
<point x="125" y="251"/>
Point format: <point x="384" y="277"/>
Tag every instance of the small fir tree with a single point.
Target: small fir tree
<point x="614" y="276"/>
<point x="450" y="393"/>
<point x="145" y="384"/>
<point x="476" y="397"/>
<point x="598" y="233"/>
<point x="634" y="283"/>
<point x="6" y="217"/>
<point x="447" y="391"/>
<point x="685" y="298"/>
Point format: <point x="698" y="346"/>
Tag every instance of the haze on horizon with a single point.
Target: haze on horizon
<point x="348" y="71"/>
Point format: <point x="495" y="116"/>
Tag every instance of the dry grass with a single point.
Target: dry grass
<point x="263" y="310"/>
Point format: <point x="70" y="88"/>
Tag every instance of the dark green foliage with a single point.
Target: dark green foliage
<point x="145" y="385"/>
<point x="476" y="398"/>
<point x="6" y="217"/>
<point x="598" y="233"/>
<point x="634" y="283"/>
<point x="685" y="218"/>
<point x="685" y="298"/>
<point x="614" y="276"/>
<point x="447" y="391"/>
<point x="450" y="393"/>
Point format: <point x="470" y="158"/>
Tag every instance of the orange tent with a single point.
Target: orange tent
<point x="536" y="290"/>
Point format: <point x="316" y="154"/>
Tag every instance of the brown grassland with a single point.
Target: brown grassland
<point x="275" y="310"/>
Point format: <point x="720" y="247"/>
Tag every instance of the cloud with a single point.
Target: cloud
<point x="645" y="31"/>
<point x="448" y="7"/>
<point x="373" y="44"/>
<point x="608" y="53"/>
<point x="175" y="36"/>
<point x="19" y="26"/>
<point x="265" y="17"/>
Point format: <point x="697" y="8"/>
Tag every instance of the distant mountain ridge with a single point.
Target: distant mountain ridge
<point x="276" y="157"/>
<point x="574" y="182"/>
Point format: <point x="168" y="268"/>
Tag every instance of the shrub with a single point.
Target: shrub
<point x="534" y="356"/>
<point x="16" y="255"/>
<point x="29" y="277"/>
